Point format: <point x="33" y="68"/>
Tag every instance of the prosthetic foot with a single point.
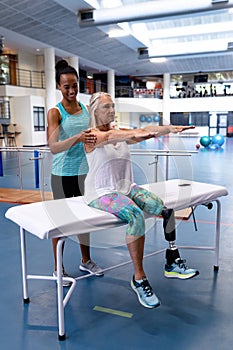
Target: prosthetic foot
<point x="175" y="266"/>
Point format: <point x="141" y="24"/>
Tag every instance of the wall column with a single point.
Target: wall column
<point x="50" y="83"/>
<point x="74" y="62"/>
<point x="166" y="98"/>
<point x="111" y="83"/>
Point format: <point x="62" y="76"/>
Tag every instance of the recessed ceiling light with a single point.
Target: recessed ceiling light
<point x="89" y="75"/>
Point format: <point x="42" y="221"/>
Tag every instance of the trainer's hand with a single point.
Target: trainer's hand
<point x="87" y="136"/>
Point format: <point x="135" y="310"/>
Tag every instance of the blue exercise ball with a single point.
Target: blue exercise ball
<point x="156" y="118"/>
<point x="218" y="140"/>
<point x="142" y="118"/>
<point x="205" y="141"/>
<point x="149" y="119"/>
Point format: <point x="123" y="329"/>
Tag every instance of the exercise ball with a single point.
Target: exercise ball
<point x="142" y="119"/>
<point x="149" y="119"/>
<point x="156" y="118"/>
<point x="205" y="141"/>
<point x="218" y="140"/>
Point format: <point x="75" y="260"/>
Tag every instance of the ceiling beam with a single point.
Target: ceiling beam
<point x="149" y="10"/>
<point x="188" y="55"/>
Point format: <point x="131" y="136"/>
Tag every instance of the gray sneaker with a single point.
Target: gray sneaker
<point x="179" y="269"/>
<point x="145" y="294"/>
<point x="64" y="274"/>
<point x="91" y="267"/>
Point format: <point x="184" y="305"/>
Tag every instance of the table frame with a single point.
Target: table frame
<point x="62" y="301"/>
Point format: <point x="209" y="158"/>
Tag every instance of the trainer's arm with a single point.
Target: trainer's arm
<point x="57" y="146"/>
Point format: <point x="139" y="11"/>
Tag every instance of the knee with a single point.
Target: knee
<point x="154" y="205"/>
<point x="167" y="213"/>
<point x="136" y="223"/>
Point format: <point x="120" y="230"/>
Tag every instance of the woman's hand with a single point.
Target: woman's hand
<point x="179" y="128"/>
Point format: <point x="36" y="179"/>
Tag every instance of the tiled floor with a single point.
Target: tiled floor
<point x="194" y="314"/>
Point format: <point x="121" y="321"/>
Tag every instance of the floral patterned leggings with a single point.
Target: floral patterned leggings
<point x="130" y="208"/>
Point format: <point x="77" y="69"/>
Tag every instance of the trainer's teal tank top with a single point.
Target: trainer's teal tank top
<point x="73" y="161"/>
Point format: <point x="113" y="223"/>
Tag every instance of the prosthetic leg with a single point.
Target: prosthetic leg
<point x="175" y="267"/>
<point x="169" y="227"/>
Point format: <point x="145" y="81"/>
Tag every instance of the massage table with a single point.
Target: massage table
<point x="64" y="218"/>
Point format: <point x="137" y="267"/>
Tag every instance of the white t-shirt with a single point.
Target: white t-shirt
<point x="110" y="170"/>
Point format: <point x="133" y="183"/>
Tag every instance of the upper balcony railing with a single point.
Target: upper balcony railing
<point x="24" y="78"/>
<point x="31" y="79"/>
<point x="36" y="79"/>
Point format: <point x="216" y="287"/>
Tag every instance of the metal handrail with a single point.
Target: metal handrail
<point x="38" y="156"/>
<point x="163" y="153"/>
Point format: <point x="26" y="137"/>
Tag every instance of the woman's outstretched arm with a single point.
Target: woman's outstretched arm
<point x="167" y="129"/>
<point x="132" y="135"/>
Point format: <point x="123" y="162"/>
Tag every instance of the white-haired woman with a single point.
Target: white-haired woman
<point x="109" y="186"/>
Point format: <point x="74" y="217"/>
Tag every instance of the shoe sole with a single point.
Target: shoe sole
<point x="141" y="302"/>
<point x="64" y="284"/>
<point x="180" y="276"/>
<point x="84" y="269"/>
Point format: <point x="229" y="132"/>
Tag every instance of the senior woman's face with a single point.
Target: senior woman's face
<point x="105" y="111"/>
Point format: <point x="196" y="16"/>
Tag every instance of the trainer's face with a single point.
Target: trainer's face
<point x="68" y="86"/>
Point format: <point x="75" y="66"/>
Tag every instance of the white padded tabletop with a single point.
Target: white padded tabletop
<point x="181" y="194"/>
<point x="65" y="217"/>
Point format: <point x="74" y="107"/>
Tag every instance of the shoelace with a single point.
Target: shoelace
<point x="182" y="264"/>
<point x="92" y="264"/>
<point x="146" y="288"/>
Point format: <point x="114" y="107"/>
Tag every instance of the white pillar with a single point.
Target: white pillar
<point x="111" y="83"/>
<point x="166" y="98"/>
<point x="74" y="62"/>
<point x="50" y="83"/>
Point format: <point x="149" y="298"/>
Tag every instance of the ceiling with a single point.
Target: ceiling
<point x="162" y="28"/>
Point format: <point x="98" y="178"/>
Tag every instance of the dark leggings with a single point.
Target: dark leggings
<point x="67" y="186"/>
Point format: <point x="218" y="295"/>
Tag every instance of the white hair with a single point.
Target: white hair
<point x="93" y="104"/>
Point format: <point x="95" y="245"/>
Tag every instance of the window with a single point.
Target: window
<point x="200" y="118"/>
<point x="179" y="118"/>
<point x="39" y="118"/>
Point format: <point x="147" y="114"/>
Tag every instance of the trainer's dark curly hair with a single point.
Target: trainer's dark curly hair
<point x="62" y="67"/>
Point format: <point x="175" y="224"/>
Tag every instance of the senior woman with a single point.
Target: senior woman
<point x="110" y="186"/>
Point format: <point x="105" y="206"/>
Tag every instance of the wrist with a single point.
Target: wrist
<point x="76" y="139"/>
